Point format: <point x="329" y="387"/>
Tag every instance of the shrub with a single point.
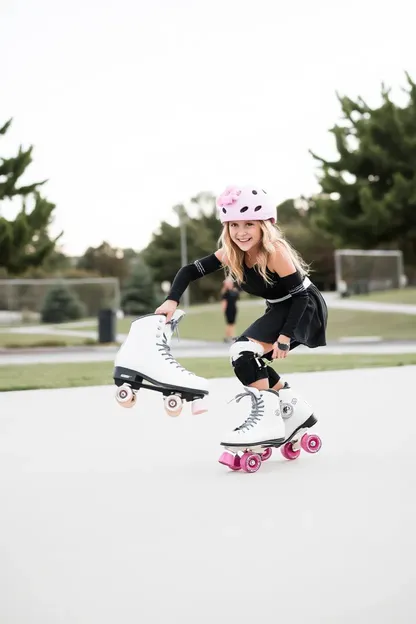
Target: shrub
<point x="60" y="305"/>
<point x="138" y="296"/>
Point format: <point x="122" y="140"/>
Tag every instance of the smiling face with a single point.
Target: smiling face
<point x="245" y="234"/>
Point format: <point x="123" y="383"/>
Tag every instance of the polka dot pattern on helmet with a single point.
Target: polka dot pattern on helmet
<point x="245" y="203"/>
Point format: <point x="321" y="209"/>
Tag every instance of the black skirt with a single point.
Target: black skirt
<point x="311" y="329"/>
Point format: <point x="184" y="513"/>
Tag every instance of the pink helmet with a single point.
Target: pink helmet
<point x="245" y="203"/>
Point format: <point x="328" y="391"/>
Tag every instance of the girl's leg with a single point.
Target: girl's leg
<point x="231" y="330"/>
<point x="262" y="384"/>
<point x="274" y="381"/>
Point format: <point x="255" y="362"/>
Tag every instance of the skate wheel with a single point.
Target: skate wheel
<point x="266" y="454"/>
<point x="230" y="460"/>
<point x="125" y="396"/>
<point x="311" y="443"/>
<point x="289" y="452"/>
<point x="250" y="462"/>
<point x="173" y="404"/>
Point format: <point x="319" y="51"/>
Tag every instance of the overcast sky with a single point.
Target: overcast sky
<point x="134" y="105"/>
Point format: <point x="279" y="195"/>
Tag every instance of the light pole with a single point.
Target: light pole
<point x="182" y="216"/>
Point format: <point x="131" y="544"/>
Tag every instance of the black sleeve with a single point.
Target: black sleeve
<point x="294" y="285"/>
<point x="191" y="272"/>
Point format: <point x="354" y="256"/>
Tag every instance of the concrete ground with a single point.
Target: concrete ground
<point x="112" y="515"/>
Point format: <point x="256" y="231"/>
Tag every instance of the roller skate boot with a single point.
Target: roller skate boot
<point x="145" y="356"/>
<point x="298" y="417"/>
<point x="252" y="442"/>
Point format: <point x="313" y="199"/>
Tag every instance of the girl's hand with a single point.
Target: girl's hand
<point x="167" y="308"/>
<point x="279" y="352"/>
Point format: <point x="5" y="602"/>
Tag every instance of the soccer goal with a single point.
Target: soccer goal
<point x="28" y="294"/>
<point x="362" y="271"/>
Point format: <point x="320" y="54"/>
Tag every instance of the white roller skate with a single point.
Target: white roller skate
<point x="298" y="417"/>
<point x="145" y="355"/>
<point x="252" y="442"/>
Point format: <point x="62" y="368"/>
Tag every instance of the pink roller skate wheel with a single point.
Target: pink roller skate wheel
<point x="267" y="453"/>
<point x="311" y="443"/>
<point x="288" y="452"/>
<point x="230" y="460"/>
<point x="250" y="462"/>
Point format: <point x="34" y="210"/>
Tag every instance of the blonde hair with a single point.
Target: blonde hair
<point x="271" y="238"/>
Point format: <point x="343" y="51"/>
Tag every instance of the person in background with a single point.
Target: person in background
<point x="229" y="297"/>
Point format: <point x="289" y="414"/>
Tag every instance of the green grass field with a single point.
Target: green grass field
<point x="36" y="376"/>
<point x="208" y="323"/>
<point x="20" y="341"/>
<point x="402" y="295"/>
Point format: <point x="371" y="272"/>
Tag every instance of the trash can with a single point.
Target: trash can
<point x="106" y="326"/>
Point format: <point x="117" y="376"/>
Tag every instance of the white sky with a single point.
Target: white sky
<point x="136" y="105"/>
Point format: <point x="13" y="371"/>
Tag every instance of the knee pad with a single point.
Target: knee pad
<point x="274" y="377"/>
<point x="245" y="355"/>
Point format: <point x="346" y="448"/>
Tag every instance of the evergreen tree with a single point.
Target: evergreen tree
<point x="138" y="296"/>
<point x="163" y="254"/>
<point x="24" y="241"/>
<point x="368" y="197"/>
<point x="315" y="245"/>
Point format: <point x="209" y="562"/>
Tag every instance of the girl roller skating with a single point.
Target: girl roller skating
<point x="256" y="255"/>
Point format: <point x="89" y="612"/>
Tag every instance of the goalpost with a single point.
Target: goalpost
<point x="362" y="271"/>
<point x="96" y="293"/>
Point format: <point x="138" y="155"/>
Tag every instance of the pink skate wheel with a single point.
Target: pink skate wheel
<point x="288" y="452"/>
<point x="311" y="443"/>
<point x="250" y="462"/>
<point x="267" y="453"/>
<point x="230" y="460"/>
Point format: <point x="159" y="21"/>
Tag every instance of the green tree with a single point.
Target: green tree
<point x="105" y="260"/>
<point x="368" y="196"/>
<point x="24" y="241"/>
<point x="163" y="254"/>
<point x="138" y="297"/>
<point x="315" y="245"/>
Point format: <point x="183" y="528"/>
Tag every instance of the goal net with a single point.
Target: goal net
<point x="362" y="271"/>
<point x="17" y="295"/>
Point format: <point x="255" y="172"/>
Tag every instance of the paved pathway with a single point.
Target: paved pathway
<point x="200" y="348"/>
<point x="206" y="350"/>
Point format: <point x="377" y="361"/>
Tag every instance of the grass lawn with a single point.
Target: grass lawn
<point x="16" y="341"/>
<point x="33" y="376"/>
<point x="402" y="295"/>
<point x="208" y="324"/>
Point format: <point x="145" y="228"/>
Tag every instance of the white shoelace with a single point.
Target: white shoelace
<point x="257" y="410"/>
<point x="164" y="349"/>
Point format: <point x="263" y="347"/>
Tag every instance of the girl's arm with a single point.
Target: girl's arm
<point x="282" y="264"/>
<point x="195" y="270"/>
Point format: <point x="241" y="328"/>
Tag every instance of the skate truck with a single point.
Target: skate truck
<point x="144" y="360"/>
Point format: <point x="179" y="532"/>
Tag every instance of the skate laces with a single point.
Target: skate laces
<point x="173" y="328"/>
<point x="257" y="410"/>
<point x="164" y="349"/>
<point x="174" y="325"/>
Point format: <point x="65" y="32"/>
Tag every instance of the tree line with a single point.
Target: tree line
<point x="367" y="200"/>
